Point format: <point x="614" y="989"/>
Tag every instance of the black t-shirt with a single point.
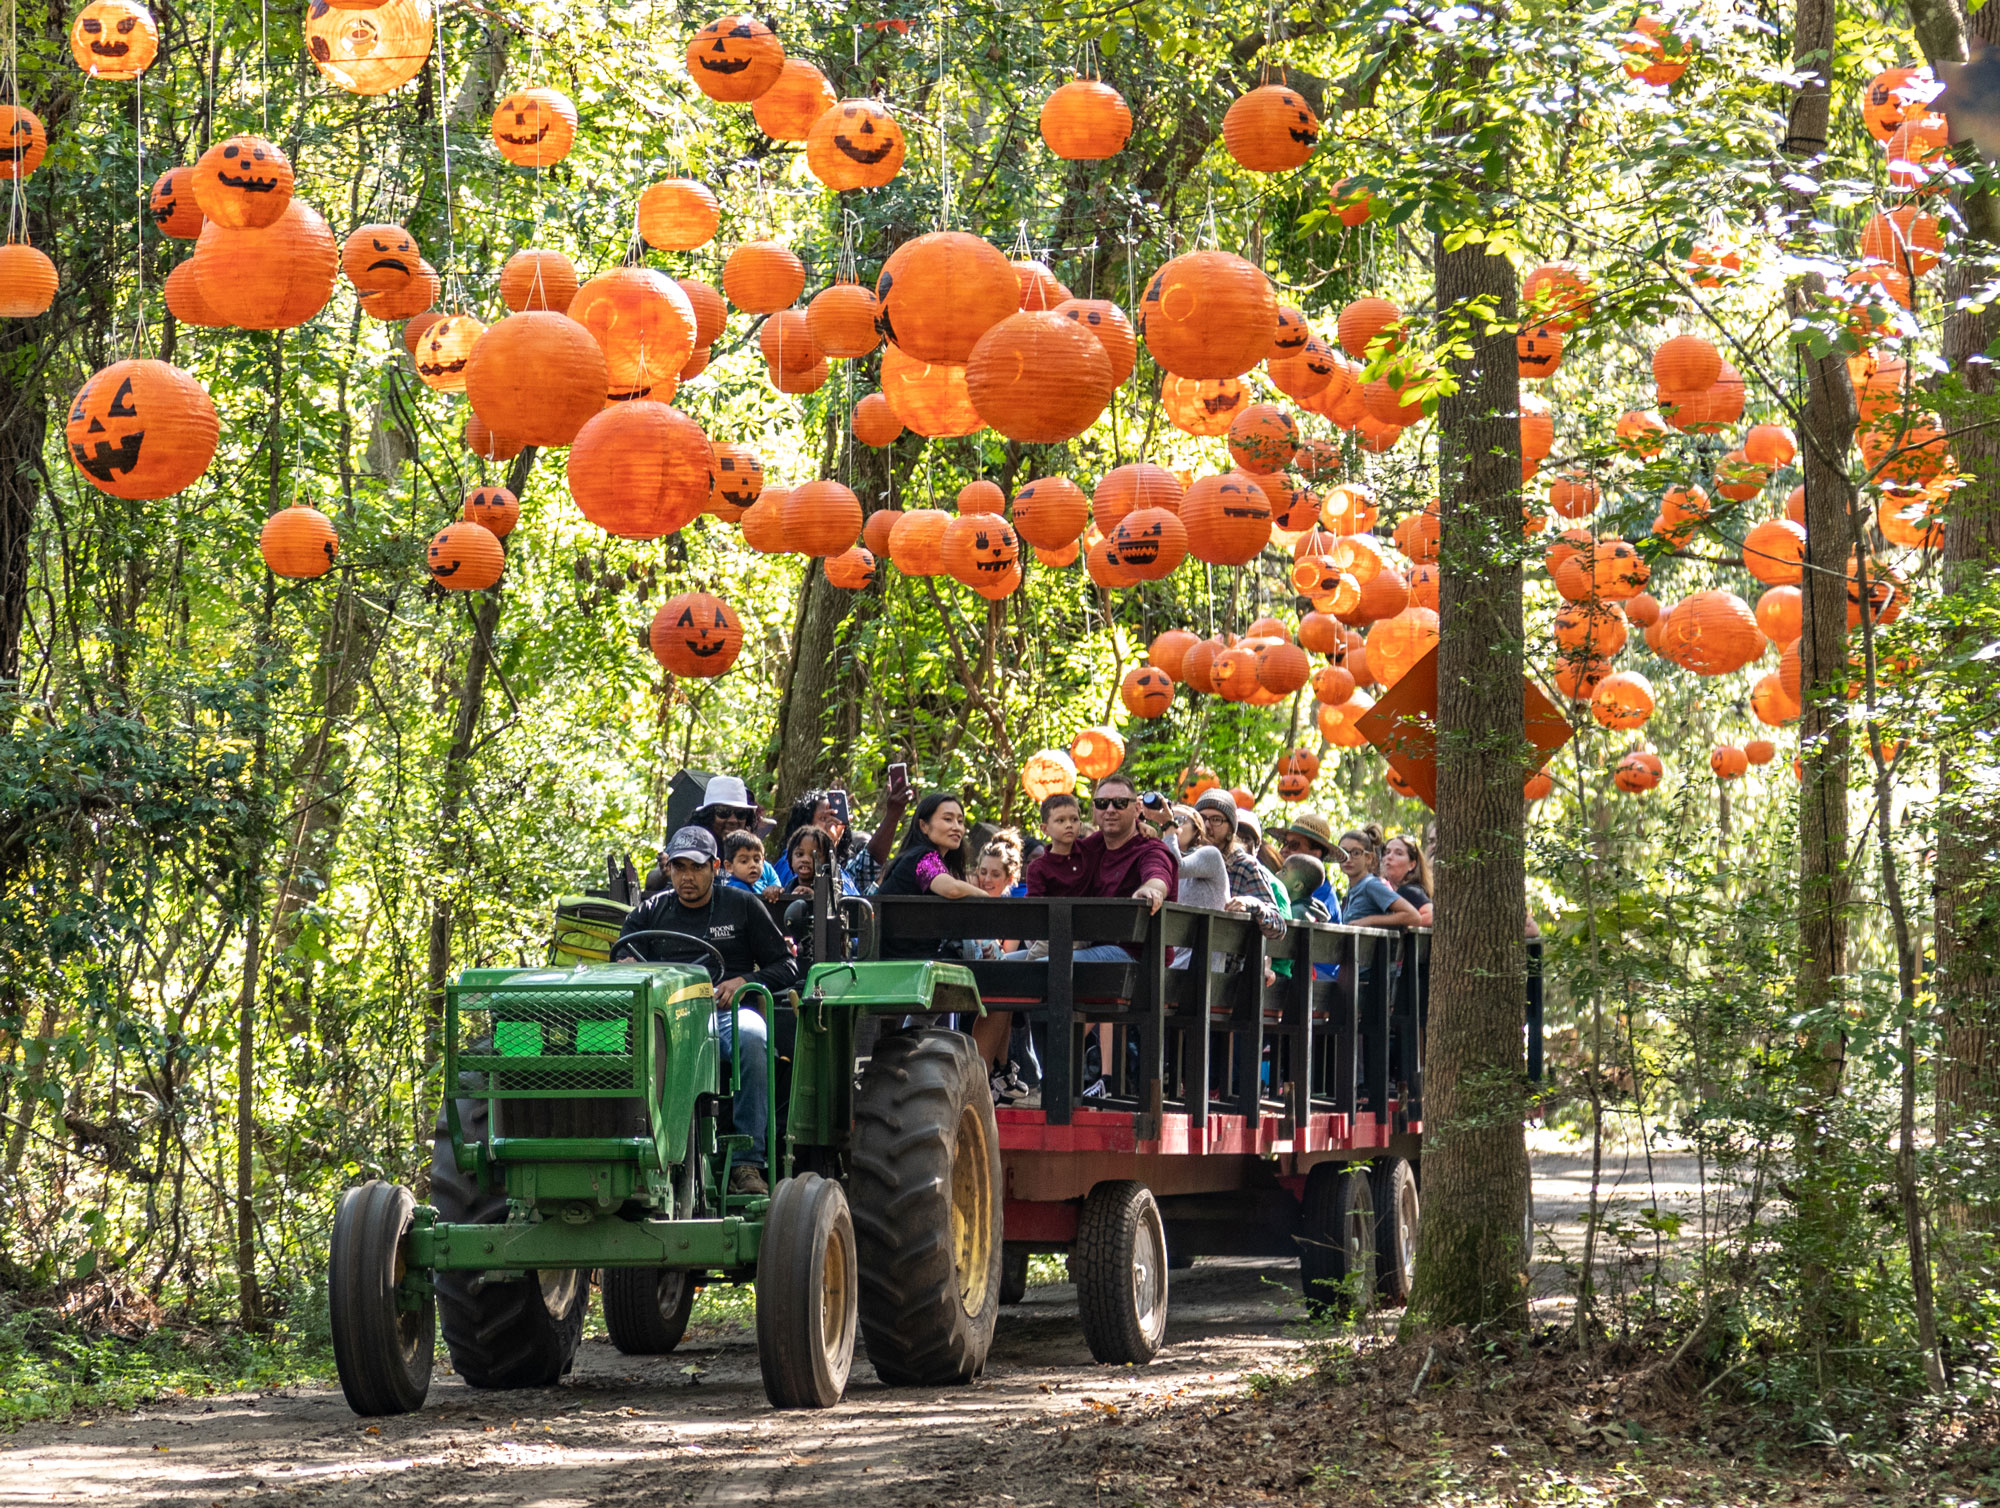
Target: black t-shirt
<point x="1414" y="893"/>
<point x="735" y="922"/>
<point x="900" y="878"/>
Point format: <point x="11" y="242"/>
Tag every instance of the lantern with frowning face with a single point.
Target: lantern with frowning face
<point x="380" y="259"/>
<point x="1147" y="691"/>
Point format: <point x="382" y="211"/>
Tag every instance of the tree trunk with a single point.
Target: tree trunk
<point x="1471" y="1258"/>
<point x="457" y="774"/>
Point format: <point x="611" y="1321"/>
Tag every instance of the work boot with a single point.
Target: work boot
<point x="747" y="1180"/>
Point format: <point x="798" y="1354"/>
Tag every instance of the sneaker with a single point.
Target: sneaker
<point x="1095" y="1090"/>
<point x="1007" y="1086"/>
<point x="1032" y="1100"/>
<point x="747" y="1180"/>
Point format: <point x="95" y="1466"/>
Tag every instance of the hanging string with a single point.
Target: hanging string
<point x="139" y="212"/>
<point x="944" y="117"/>
<point x="264" y="62"/>
<point x="454" y="290"/>
<point x="17" y="201"/>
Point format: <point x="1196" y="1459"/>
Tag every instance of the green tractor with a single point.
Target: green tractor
<point x="589" y="1135"/>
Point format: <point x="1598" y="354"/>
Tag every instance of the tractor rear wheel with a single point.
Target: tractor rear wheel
<point x="924" y="1178"/>
<point x="807" y="1295"/>
<point x="518" y="1334"/>
<point x="1337" y="1238"/>
<point x="1394" y="1191"/>
<point x="1120" y="1263"/>
<point x="381" y="1349"/>
<point x="646" y="1309"/>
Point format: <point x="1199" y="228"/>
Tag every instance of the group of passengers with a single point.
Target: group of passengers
<point x="718" y="881"/>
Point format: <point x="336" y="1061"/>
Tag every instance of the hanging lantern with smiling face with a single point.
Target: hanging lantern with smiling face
<point x="1271" y="129"/>
<point x="465" y="558"/>
<point x="735" y="59"/>
<point x="535" y="128"/>
<point x="857" y="144"/>
<point x="696" y="634"/>
<point x="243" y="183"/>
<point x="445" y="350"/>
<point x="981" y="550"/>
<point x="114" y="39"/>
<point x="369" y="51"/>
<point x="23" y="142"/>
<point x="172" y="205"/>
<point x="738" y="479"/>
<point x="1047" y="773"/>
<point x="1151" y="542"/>
<point x="141" y="430"/>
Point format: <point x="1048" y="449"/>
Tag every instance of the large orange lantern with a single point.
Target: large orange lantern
<point x="114" y="39"/>
<point x="465" y="558"/>
<point x="299" y="543"/>
<point x="536" y="378"/>
<point x="678" y="214"/>
<point x="735" y="59"/>
<point x="244" y="182"/>
<point x="641" y="470"/>
<point x="930" y="398"/>
<point x="1271" y="129"/>
<point x="141" y="430"/>
<point x="1085" y="121"/>
<point x="642" y="322"/>
<point x="1050" y="512"/>
<point x="696" y="634"/>
<point x="1038" y="378"/>
<point x="369" y="51"/>
<point x="1208" y="314"/>
<point x="1097" y="752"/>
<point x="822" y="518"/>
<point x="1146" y="691"/>
<point x="857" y="144"/>
<point x="762" y="277"/>
<point x="274" y="278"/>
<point x="788" y="109"/>
<point x="1228" y="519"/>
<point x="916" y="542"/>
<point x="940" y="292"/>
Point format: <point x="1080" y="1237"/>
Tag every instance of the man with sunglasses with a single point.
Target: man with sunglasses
<point x="1121" y="862"/>
<point x="727" y="808"/>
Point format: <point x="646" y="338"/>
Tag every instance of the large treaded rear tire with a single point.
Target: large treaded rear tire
<point x="1394" y="1190"/>
<point x="1120" y="1264"/>
<point x="522" y="1334"/>
<point x="646" y="1309"/>
<point x="1337" y="1238"/>
<point x="383" y="1353"/>
<point x="807" y="1295"/>
<point x="924" y="1185"/>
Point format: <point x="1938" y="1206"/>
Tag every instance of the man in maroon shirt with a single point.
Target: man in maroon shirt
<point x="1120" y="862"/>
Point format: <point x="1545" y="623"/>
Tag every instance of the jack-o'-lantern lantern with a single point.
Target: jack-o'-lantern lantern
<point x="642" y="322"/>
<point x="738" y="478"/>
<point x="787" y="343"/>
<point x="1728" y="762"/>
<point x="1293" y="786"/>
<point x="788" y="109"/>
<point x="243" y="183"/>
<point x="1097" y="752"/>
<point x="27" y="282"/>
<point x="1050" y="512"/>
<point x="415" y="296"/>
<point x="640" y="470"/>
<point x="445" y="349"/>
<point x="536" y="378"/>
<point x="535" y="128"/>
<point x="1147" y="691"/>
<point x="1538" y="351"/>
<point x="114" y="39"/>
<point x="940" y="292"/>
<point x="822" y="518"/>
<point x="1263" y="437"/>
<point x="537" y="280"/>
<point x="875" y="422"/>
<point x="369" y="51"/>
<point x="1271" y="129"/>
<point x="1208" y="314"/>
<point x="1307" y="374"/>
<point x="851" y="570"/>
<point x="1228" y="519"/>
<point x="141" y="430"/>
<point x="380" y="258"/>
<point x="24" y="140"/>
<point x="1046" y="773"/>
<point x="1332" y="685"/>
<point x="679" y="214"/>
<point x="841" y="320"/>
<point x="1637" y="772"/>
<point x="762" y="277"/>
<point x="1038" y="378"/>
<point x="1102" y="565"/>
<point x="1085" y="120"/>
<point x="492" y="508"/>
<point x="298" y="543"/>
<point x="465" y="558"/>
<point x="1151" y="542"/>
<point x="696" y="634"/>
<point x="1196" y="781"/>
<point x="1203" y="405"/>
<point x="172" y="205"/>
<point x="735" y="59"/>
<point x="930" y="398"/>
<point x="857" y="144"/>
<point x="1107" y="322"/>
<point x="980" y="549"/>
<point x="1293" y="333"/>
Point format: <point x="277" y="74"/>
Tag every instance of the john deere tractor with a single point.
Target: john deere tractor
<point x="590" y="1134"/>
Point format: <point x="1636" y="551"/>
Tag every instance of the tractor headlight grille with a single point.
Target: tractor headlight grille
<point x="546" y="1042"/>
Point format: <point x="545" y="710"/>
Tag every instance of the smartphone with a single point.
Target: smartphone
<point x="837" y="799"/>
<point x="899" y="777"/>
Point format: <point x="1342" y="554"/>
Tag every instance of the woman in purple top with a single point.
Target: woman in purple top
<point x="930" y="862"/>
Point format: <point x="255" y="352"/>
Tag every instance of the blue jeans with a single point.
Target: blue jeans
<point x="751" y="1110"/>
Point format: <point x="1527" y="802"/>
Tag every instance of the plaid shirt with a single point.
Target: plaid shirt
<point x="865" y="873"/>
<point x="1250" y="884"/>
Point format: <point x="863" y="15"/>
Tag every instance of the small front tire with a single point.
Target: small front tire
<point x="1120" y="1265"/>
<point x="807" y="1292"/>
<point x="646" y="1309"/>
<point x="381" y="1347"/>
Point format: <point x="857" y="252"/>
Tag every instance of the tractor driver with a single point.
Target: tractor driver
<point x="739" y="927"/>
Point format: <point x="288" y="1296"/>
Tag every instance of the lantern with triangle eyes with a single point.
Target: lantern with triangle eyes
<point x="1146" y="691"/>
<point x="23" y="141"/>
<point x="142" y="429"/>
<point x="735" y="59"/>
<point x="696" y="634"/>
<point x="535" y="128"/>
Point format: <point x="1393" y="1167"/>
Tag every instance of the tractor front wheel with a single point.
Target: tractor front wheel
<point x="924" y="1177"/>
<point x="521" y="1333"/>
<point x="807" y="1295"/>
<point x="646" y="1309"/>
<point x="381" y="1346"/>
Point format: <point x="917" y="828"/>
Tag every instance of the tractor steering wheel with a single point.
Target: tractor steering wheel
<point x="631" y="937"/>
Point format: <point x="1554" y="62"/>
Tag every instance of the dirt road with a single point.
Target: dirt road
<point x="694" y="1427"/>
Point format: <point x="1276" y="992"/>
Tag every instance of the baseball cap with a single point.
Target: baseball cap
<point x="691" y="843"/>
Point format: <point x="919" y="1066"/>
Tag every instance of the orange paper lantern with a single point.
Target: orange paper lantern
<point x="735" y="59"/>
<point x="696" y="634"/>
<point x="299" y="543"/>
<point x="536" y="378"/>
<point x="857" y="144"/>
<point x="1038" y="378"/>
<point x="1271" y="129"/>
<point x="941" y="292"/>
<point x="1085" y="121"/>
<point x="465" y="558"/>
<point x="641" y="470"/>
<point x="822" y="518"/>
<point x="1208" y="314"/>
<point x="141" y="430"/>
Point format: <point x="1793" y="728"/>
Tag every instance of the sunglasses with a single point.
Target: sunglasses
<point x="1111" y="803"/>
